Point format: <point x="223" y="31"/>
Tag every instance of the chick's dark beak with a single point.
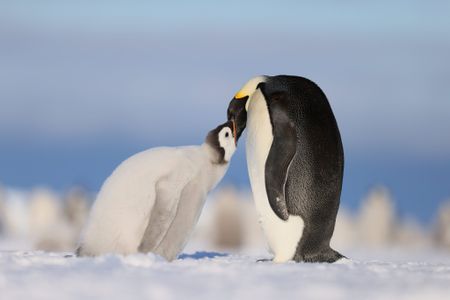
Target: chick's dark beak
<point x="238" y="115"/>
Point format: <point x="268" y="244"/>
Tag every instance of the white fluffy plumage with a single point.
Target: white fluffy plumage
<point x="152" y="201"/>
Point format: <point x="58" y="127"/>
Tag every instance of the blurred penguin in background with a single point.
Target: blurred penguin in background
<point x="377" y="219"/>
<point x="442" y="227"/>
<point x="410" y="234"/>
<point x="48" y="229"/>
<point x="345" y="233"/>
<point x="228" y="223"/>
<point x="76" y="209"/>
<point x="2" y="211"/>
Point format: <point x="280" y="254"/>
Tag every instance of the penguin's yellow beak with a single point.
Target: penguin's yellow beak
<point x="240" y="95"/>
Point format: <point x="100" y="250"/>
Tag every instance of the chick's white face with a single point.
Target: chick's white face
<point x="227" y="142"/>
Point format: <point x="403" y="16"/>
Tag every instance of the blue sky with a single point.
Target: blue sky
<point x="84" y="84"/>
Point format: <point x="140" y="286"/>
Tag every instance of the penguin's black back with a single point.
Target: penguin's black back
<point x="314" y="180"/>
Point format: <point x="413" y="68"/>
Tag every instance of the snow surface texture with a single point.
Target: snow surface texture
<point x="210" y="275"/>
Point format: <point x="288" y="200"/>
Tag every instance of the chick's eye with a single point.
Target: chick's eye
<point x="227" y="134"/>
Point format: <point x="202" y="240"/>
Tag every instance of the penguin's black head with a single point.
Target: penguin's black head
<point x="236" y="112"/>
<point x="237" y="109"/>
<point x="223" y="140"/>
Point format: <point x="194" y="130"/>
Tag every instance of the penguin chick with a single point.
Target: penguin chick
<point x="153" y="200"/>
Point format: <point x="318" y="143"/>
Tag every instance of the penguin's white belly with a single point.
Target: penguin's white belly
<point x="282" y="236"/>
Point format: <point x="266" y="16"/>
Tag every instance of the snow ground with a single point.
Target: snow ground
<point x="210" y="275"/>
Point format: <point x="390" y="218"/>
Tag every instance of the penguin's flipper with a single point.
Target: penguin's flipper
<point x="282" y="151"/>
<point x="188" y="210"/>
<point x="162" y="213"/>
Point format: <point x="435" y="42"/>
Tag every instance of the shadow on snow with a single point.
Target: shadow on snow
<point x="202" y="255"/>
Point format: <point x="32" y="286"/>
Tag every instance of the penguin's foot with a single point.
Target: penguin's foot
<point x="343" y="261"/>
<point x="326" y="256"/>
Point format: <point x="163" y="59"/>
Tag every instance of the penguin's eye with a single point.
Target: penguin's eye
<point x="227" y="134"/>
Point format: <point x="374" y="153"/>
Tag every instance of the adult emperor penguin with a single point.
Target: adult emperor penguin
<point x="295" y="162"/>
<point x="153" y="200"/>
